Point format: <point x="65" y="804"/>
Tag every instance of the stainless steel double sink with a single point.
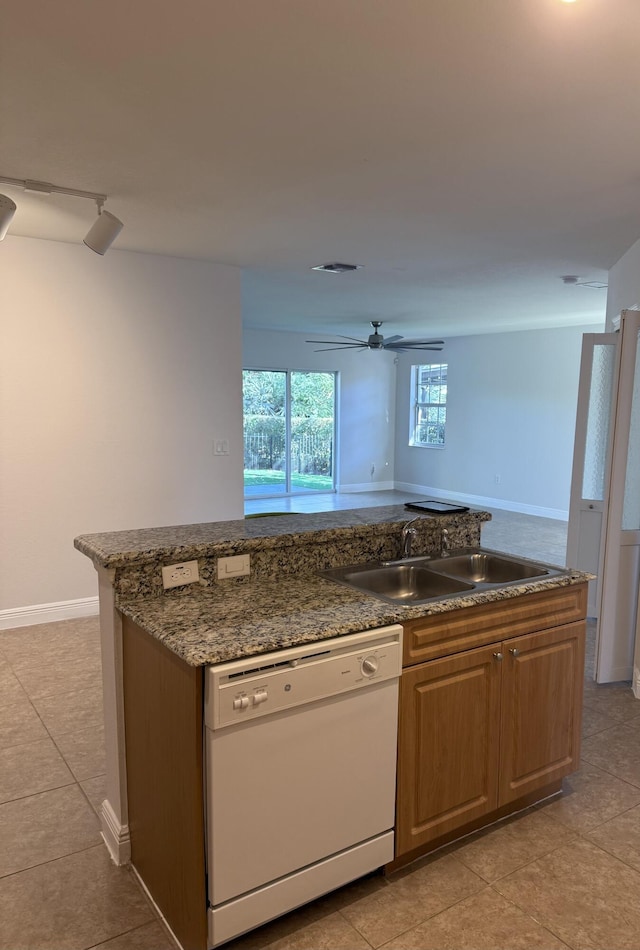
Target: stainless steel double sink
<point x="419" y="580"/>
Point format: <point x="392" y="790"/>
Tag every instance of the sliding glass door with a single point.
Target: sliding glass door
<point x="289" y="432"/>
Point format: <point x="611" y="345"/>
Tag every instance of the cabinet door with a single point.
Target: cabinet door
<point x="448" y="751"/>
<point x="541" y="709"/>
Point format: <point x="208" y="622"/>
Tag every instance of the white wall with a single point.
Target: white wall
<point x="511" y="413"/>
<point x="366" y="401"/>
<point x="624" y="284"/>
<point x="116" y="374"/>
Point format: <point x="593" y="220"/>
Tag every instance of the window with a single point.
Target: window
<point x="428" y="404"/>
<point x="289" y="424"/>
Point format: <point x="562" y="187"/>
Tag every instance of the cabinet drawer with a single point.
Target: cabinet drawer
<point x="470" y="627"/>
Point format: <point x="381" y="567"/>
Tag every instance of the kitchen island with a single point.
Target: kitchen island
<point x="156" y="644"/>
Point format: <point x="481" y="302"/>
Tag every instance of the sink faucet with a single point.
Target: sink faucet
<point x="445" y="543"/>
<point x="409" y="534"/>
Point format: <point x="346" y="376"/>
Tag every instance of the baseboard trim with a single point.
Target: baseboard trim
<point x="48" y="613"/>
<point x="365" y="486"/>
<point x="480" y="501"/>
<point x="636" y="682"/>
<point x="115" y="836"/>
<point x="155" y="907"/>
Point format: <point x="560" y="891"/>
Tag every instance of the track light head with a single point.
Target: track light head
<point x="7" y="211"/>
<point x="104" y="230"/>
<point x="101" y="235"/>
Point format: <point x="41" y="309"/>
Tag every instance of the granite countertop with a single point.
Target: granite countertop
<point x="114" y="549"/>
<point x="284" y="602"/>
<point x="243" y="618"/>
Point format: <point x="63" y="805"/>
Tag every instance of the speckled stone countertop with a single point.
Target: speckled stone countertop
<point x="115" y="549"/>
<point x="284" y="602"/>
<point x="218" y="624"/>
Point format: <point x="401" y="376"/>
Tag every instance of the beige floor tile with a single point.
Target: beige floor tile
<point x="353" y="892"/>
<point x="70" y="904"/>
<point x="582" y="894"/>
<point x="83" y="751"/>
<point x="62" y="637"/>
<point x="486" y="921"/>
<point x="96" y="791"/>
<point x="614" y="700"/>
<point x="58" y="648"/>
<point x="510" y="845"/>
<point x="621" y="837"/>
<point x="617" y="750"/>
<point x="59" y="674"/>
<point x="594" y="721"/>
<point x="147" y="937"/>
<point x="412" y="898"/>
<point x="19" y="723"/>
<point x="11" y="691"/>
<point x="45" y="826"/>
<point x="30" y="768"/>
<point x="304" y="929"/>
<point x="591" y="796"/>
<point x="65" y="712"/>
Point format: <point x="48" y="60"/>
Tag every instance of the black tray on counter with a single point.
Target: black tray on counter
<point x="434" y="507"/>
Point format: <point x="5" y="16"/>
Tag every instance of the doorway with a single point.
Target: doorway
<point x="289" y="432"/>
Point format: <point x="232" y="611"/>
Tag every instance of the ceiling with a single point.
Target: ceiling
<point x="467" y="153"/>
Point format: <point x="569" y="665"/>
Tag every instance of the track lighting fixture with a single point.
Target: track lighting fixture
<point x="7" y="211"/>
<point x="102" y="232"/>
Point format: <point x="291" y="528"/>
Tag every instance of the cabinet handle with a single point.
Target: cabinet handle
<point x="498" y="656"/>
<point x="514" y="651"/>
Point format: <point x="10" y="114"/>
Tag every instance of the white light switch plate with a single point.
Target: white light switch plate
<point x="175" y="575"/>
<point x="234" y="566"/>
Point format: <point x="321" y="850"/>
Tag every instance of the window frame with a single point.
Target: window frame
<point x="418" y="406"/>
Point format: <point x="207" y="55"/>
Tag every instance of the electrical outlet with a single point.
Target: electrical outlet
<point x="496" y="479"/>
<point x="234" y="566"/>
<point x="175" y="575"/>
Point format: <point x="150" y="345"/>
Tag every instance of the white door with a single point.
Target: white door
<point x="591" y="456"/>
<point x="620" y="554"/>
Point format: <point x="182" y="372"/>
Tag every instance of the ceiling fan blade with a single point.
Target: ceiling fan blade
<point x="376" y="341"/>
<point x="340" y="346"/>
<point x="340" y="337"/>
<point x="417" y="345"/>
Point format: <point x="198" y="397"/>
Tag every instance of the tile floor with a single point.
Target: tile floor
<point x="543" y="538"/>
<point x="564" y="874"/>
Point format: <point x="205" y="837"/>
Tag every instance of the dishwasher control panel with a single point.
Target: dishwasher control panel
<point x="262" y="685"/>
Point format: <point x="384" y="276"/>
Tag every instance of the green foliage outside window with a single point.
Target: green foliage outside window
<point x="429" y="404"/>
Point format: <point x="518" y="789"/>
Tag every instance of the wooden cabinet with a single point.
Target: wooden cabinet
<point x="542" y="682"/>
<point x="448" y="752"/>
<point x="485" y="731"/>
<point x="163" y="709"/>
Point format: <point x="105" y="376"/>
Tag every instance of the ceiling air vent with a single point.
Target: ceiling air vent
<point x="335" y="267"/>
<point x="578" y="282"/>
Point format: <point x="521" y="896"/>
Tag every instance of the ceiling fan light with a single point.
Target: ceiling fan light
<point x="7" y="211"/>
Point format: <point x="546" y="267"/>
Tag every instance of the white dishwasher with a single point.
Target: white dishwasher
<point x="300" y="774"/>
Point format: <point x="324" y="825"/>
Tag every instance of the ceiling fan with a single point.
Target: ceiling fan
<point x="376" y="341"/>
